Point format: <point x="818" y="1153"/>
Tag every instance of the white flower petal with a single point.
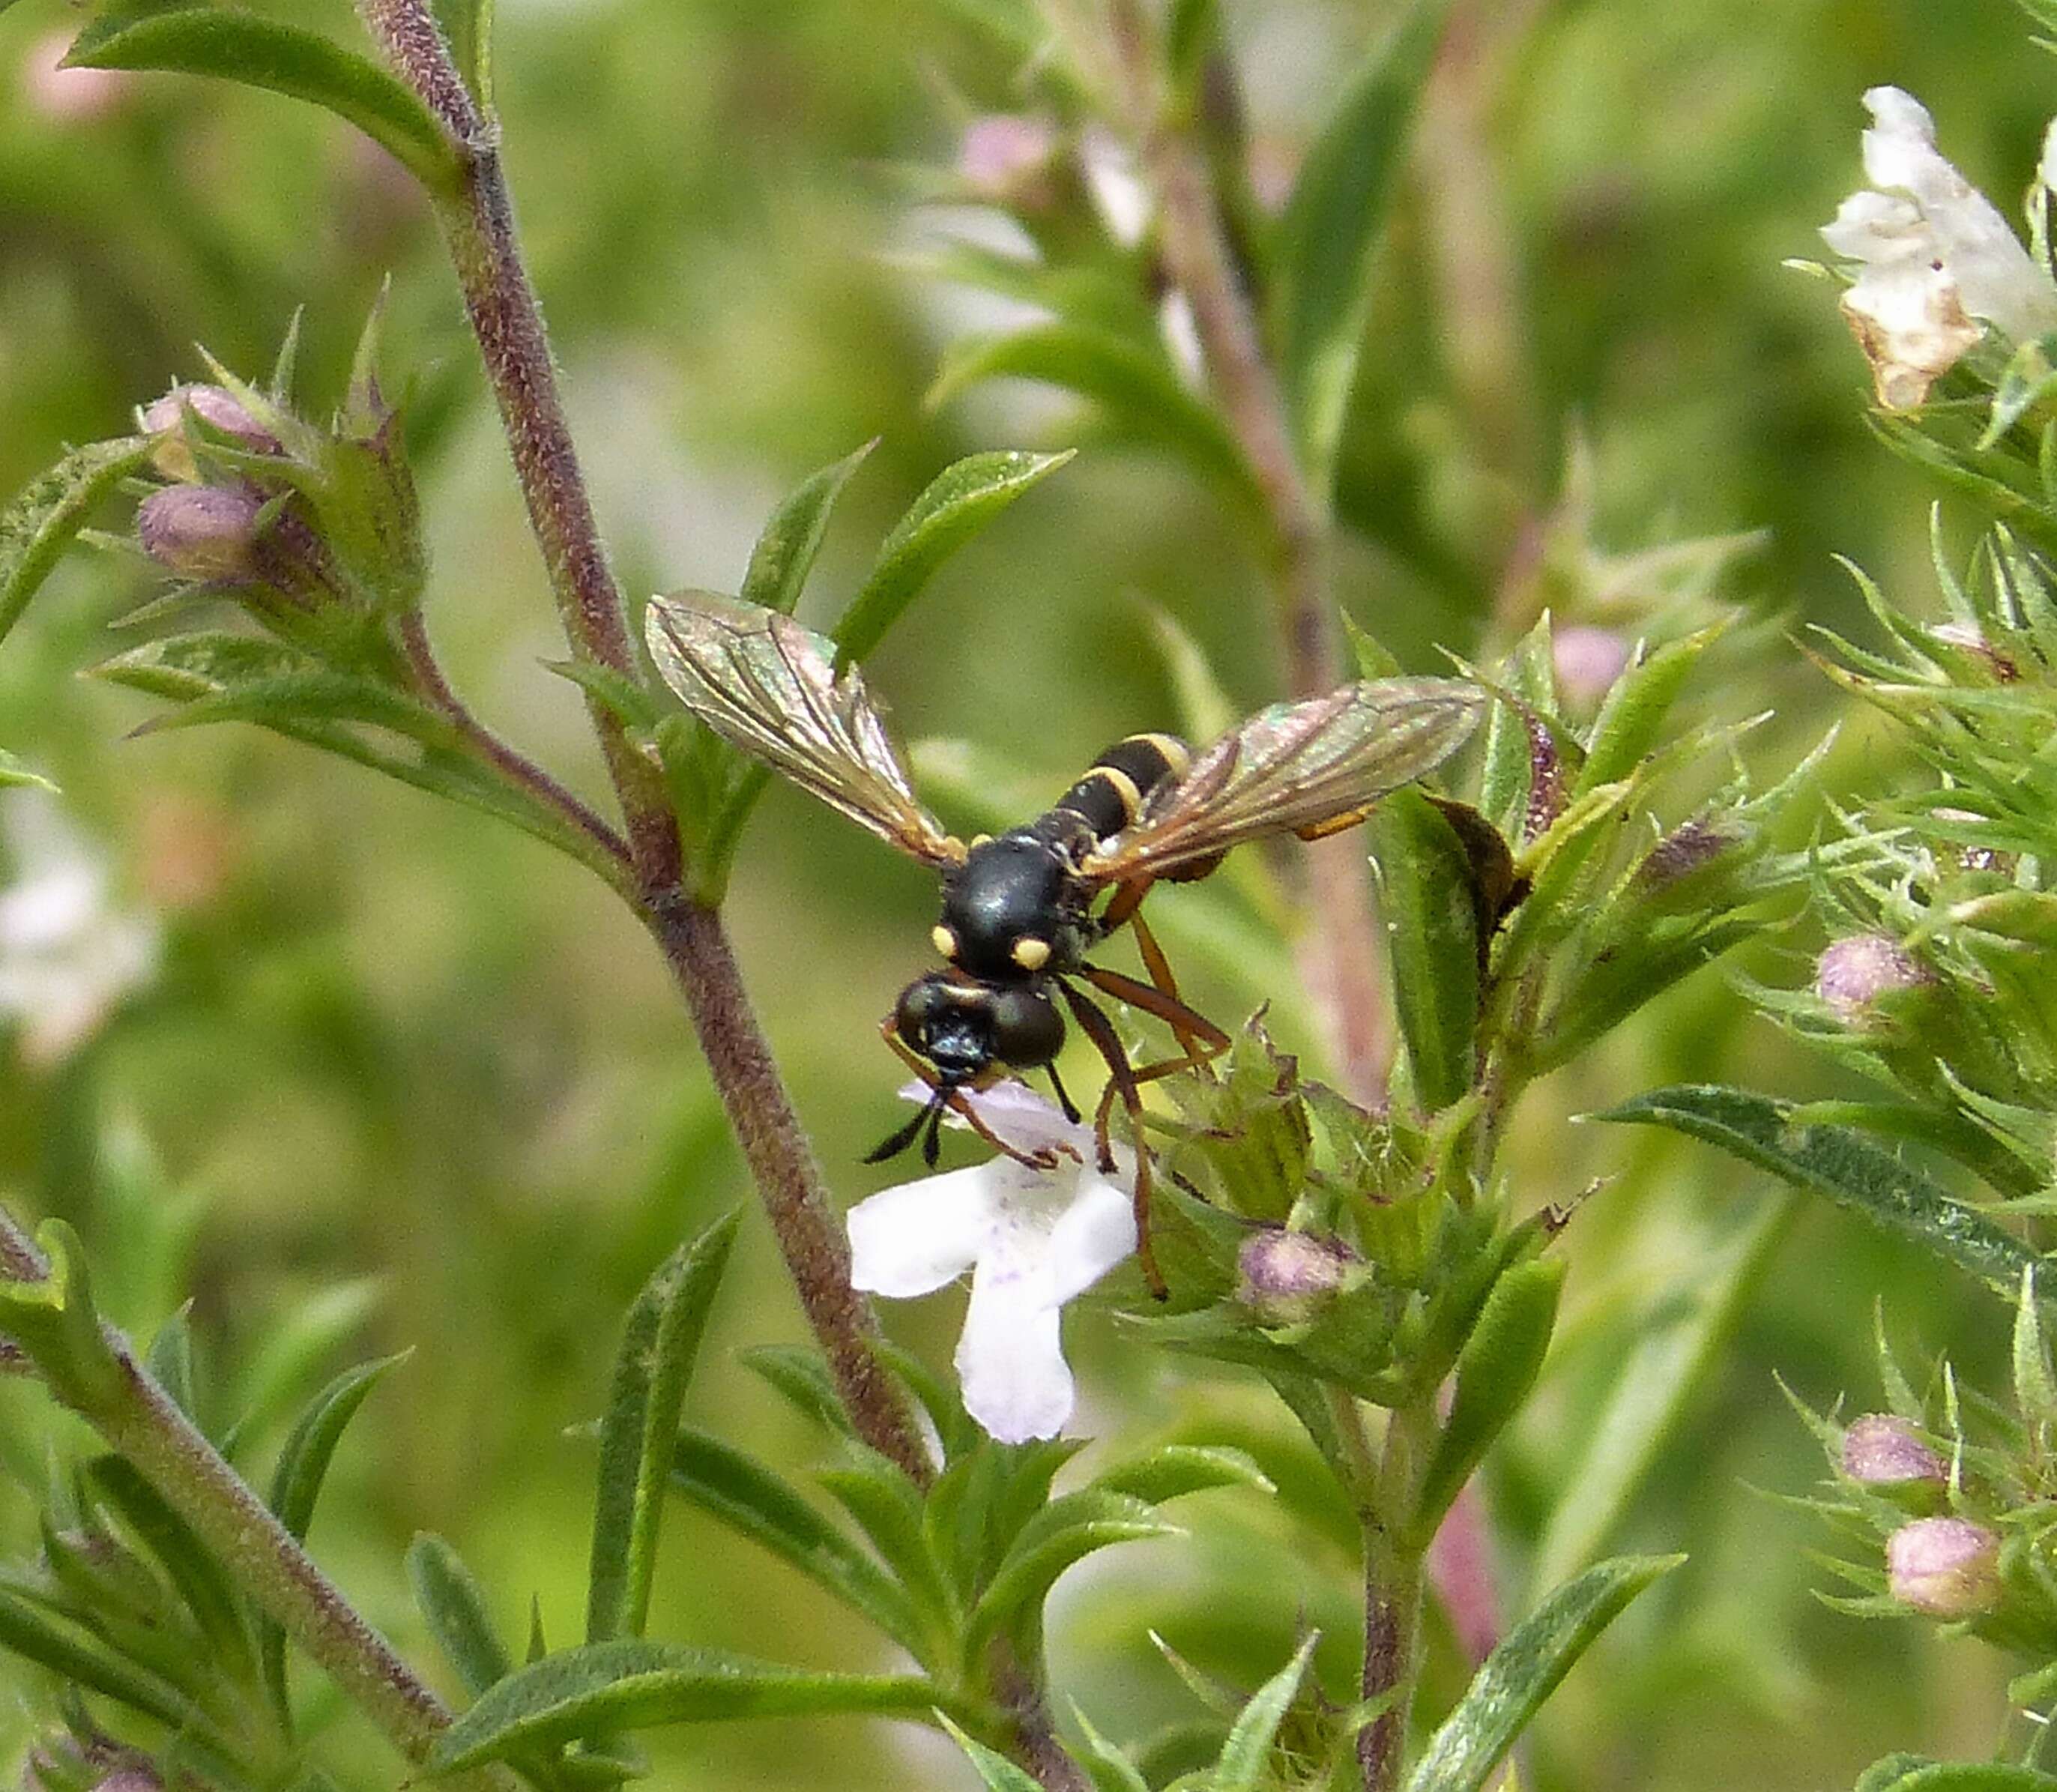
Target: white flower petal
<point x="1010" y="1360"/>
<point x="911" y="1238"/>
<point x="1909" y="320"/>
<point x="1096" y="1232"/>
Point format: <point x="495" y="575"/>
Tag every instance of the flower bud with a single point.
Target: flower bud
<point x="1880" y="1450"/>
<point x="1680" y="853"/>
<point x="1286" y="1277"/>
<point x="1005" y="159"/>
<point x="1852" y="974"/>
<point x="67" y="96"/>
<point x="215" y="406"/>
<point x="201" y="532"/>
<point x="1947" y="1568"/>
<point x="1967" y="638"/>
<point x="1587" y="661"/>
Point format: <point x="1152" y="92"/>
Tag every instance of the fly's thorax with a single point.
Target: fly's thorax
<point x="1013" y="908"/>
<point x="964" y="1027"/>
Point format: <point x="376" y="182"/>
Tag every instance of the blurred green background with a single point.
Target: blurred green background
<point x="389" y="1049"/>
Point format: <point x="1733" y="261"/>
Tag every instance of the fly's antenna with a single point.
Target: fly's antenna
<point x="931" y="1116"/>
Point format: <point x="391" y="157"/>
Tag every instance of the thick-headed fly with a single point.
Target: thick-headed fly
<point x="1021" y="910"/>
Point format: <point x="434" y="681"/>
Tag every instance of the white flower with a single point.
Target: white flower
<point x="67" y="955"/>
<point x="1935" y="259"/>
<point x="1033" y="1238"/>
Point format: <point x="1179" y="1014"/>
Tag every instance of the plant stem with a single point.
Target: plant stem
<point x="141" y="1421"/>
<point x="478" y="221"/>
<point x="1393" y="1577"/>
<point x="1339" y="953"/>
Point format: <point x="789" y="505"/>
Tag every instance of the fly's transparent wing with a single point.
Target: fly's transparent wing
<point x="770" y="688"/>
<point x="1305" y="768"/>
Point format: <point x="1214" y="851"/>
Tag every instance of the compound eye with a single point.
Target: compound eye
<point x="1030" y="952"/>
<point x="1027" y="1029"/>
<point x="920" y="1004"/>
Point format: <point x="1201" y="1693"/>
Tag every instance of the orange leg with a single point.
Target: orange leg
<point x="1100" y="1029"/>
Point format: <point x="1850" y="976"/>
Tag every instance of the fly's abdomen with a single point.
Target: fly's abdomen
<point x="1111" y="795"/>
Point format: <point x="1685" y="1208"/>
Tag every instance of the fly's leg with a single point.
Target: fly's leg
<point x="953" y="1097"/>
<point x="1100" y="1029"/>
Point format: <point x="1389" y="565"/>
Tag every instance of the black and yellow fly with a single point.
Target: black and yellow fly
<point x="1018" y="909"/>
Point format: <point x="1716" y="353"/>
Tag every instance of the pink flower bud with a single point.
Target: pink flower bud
<point x="1947" y="1568"/>
<point x="1880" y="1450"/>
<point x="1287" y="1276"/>
<point x="215" y="406"/>
<point x="201" y="532"/>
<point x="1005" y="159"/>
<point x="67" y="96"/>
<point x="1852" y="974"/>
<point x="1588" y="660"/>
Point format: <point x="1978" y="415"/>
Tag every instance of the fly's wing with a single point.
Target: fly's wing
<point x="1306" y="768"/>
<point x="769" y="687"/>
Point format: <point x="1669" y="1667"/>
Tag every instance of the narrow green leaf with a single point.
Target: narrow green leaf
<point x="1632" y="714"/>
<point x="888" y="1508"/>
<point x="961" y="500"/>
<point x="238" y="45"/>
<point x="1524" y="1670"/>
<point x="622" y="697"/>
<point x="47" y="515"/>
<point x="1065" y="1531"/>
<point x="467" y="26"/>
<point x="803" y="1378"/>
<point x="1177" y="1469"/>
<point x="1844" y="1166"/>
<point x="995" y="1770"/>
<point x="14" y="774"/>
<point x="2035" y="1394"/>
<point x="1962" y="1776"/>
<point x="1330" y="230"/>
<point x="631" y="1684"/>
<point x="750" y="1498"/>
<point x="1109" y="1769"/>
<point x="57" y="1322"/>
<point x="170" y="1360"/>
<point x="659" y="1343"/>
<point x="454" y="1604"/>
<point x="1247" y="1751"/>
<point x="1657" y="1380"/>
<point x="86" y="1661"/>
<point x="1424" y="879"/>
<point x="296" y="1483"/>
<point x="1495" y="1370"/>
<point x="785" y="552"/>
<point x="201" y="1580"/>
<point x="1135" y="384"/>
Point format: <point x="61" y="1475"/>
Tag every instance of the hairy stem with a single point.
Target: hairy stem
<point x="140" y="1421"/>
<point x="1339" y="953"/>
<point x="1393" y="1577"/>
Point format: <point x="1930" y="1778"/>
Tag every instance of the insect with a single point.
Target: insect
<point x="1019" y="909"/>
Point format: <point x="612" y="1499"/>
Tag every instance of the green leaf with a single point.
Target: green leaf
<point x="1329" y="233"/>
<point x="83" y="1659"/>
<point x="467" y="26"/>
<point x="201" y="1580"/>
<point x="1174" y="1470"/>
<point x="1247" y="1751"/>
<point x="659" y="1343"/>
<point x="1065" y="1531"/>
<point x="785" y="552"/>
<point x="454" y="1604"/>
<point x="1109" y="1769"/>
<point x="1424" y="882"/>
<point x="296" y="1483"/>
<point x="14" y="774"/>
<point x="1133" y="383"/>
<point x="961" y="500"/>
<point x="170" y="1360"/>
<point x="803" y="1378"/>
<point x="1495" y="1370"/>
<point x="877" y="1492"/>
<point x="2035" y="1395"/>
<point x="57" y="1322"/>
<point x="1844" y="1165"/>
<point x="1632" y="714"/>
<point x="748" y="1497"/>
<point x="48" y="514"/>
<point x="1508" y="1689"/>
<point x="631" y="1684"/>
<point x="239" y="45"/>
<point x="998" y="1773"/>
<point x="1962" y="1776"/>
<point x="1658" y="1378"/>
